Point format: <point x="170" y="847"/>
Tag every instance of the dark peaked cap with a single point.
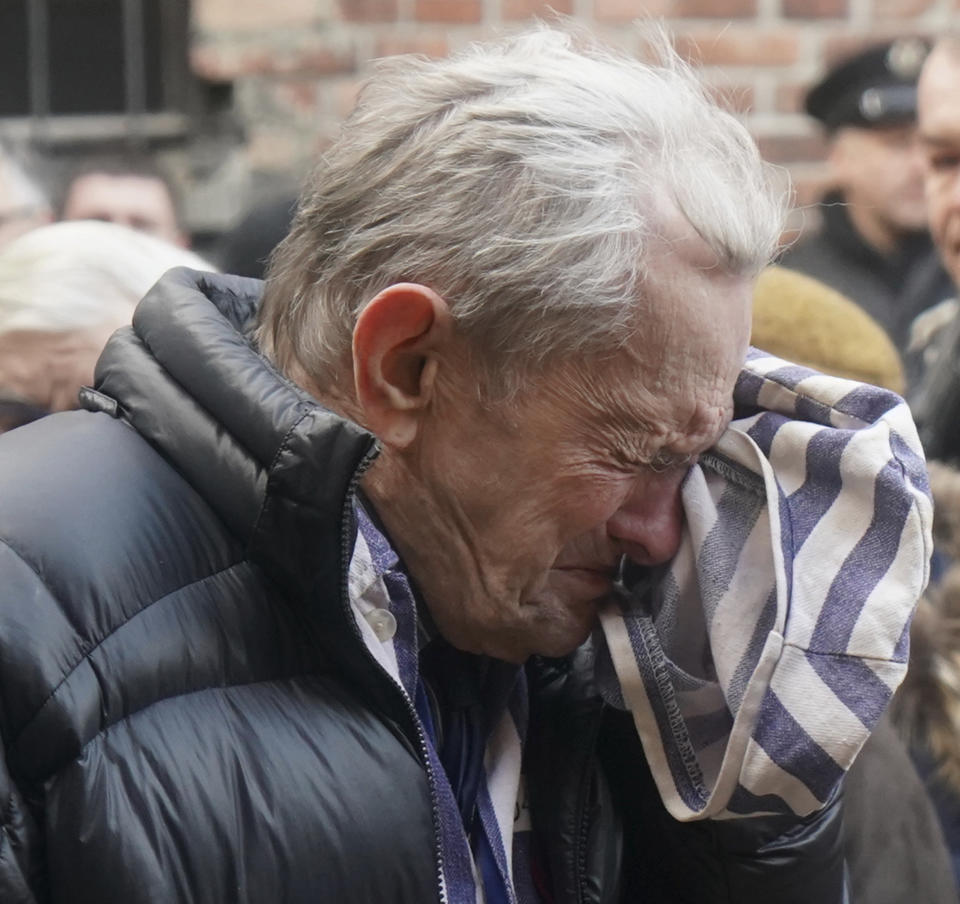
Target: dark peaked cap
<point x="877" y="87"/>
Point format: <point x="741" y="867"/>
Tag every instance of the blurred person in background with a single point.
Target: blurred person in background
<point x="246" y="248"/>
<point x="130" y="190"/>
<point x="873" y="245"/>
<point x="64" y="288"/>
<point x="23" y="203"/>
<point x="895" y="842"/>
<point x="927" y="708"/>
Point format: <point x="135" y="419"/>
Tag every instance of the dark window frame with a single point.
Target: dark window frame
<point x="172" y="81"/>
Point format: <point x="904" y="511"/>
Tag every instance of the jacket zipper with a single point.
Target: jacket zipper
<point x="346" y="550"/>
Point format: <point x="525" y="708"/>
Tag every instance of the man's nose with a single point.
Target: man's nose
<point x="647" y="527"/>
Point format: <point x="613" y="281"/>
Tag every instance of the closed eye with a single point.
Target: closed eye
<point x="667" y="461"/>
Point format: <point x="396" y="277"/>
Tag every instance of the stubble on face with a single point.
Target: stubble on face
<point x="478" y="512"/>
<point x="505" y="516"/>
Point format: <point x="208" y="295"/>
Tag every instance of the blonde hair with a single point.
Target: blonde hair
<point x="76" y="275"/>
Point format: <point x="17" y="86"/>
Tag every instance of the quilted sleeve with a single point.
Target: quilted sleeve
<point x="20" y="874"/>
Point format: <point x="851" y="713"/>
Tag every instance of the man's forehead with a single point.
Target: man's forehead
<point x="938" y="98"/>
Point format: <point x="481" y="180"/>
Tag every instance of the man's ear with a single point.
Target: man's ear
<point x="396" y="342"/>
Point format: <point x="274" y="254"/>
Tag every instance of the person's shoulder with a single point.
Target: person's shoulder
<point x="96" y="531"/>
<point x="94" y="510"/>
<point x="79" y="478"/>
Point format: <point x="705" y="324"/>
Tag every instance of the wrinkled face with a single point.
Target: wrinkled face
<point x="938" y="102"/>
<point x="524" y="511"/>
<point x="880" y="173"/>
<point x="136" y="202"/>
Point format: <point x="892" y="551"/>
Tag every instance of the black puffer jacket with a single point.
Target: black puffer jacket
<point x="188" y="712"/>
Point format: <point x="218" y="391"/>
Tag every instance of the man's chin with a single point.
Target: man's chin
<point x="552" y="622"/>
<point x="558" y="647"/>
<point x="551" y="637"/>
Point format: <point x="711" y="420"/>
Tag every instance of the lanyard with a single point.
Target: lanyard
<point x="459" y="734"/>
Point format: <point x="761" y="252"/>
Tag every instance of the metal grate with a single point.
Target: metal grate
<point x="123" y="62"/>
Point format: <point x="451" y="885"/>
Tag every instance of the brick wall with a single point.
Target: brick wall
<point x="296" y="64"/>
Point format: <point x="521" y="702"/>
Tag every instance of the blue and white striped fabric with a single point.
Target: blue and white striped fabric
<point x="756" y="670"/>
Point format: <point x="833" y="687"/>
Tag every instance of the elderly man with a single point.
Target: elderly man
<point x="307" y="604"/>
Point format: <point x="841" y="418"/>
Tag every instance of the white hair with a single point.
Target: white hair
<point x="81" y="274"/>
<point x="521" y="181"/>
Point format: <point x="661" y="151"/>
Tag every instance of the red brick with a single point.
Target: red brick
<point x="369" y="10"/>
<point x="715" y="9"/>
<point x="789" y="97"/>
<point x="901" y="9"/>
<point x="792" y="148"/>
<point x="431" y="44"/>
<point x="735" y="98"/>
<point x="740" y="47"/>
<point x="526" y="9"/>
<point x="252" y="15"/>
<point x="454" y="12"/>
<point x="222" y="61"/>
<point x="316" y="57"/>
<point x="299" y="96"/>
<point x="815" y="9"/>
<point x="627" y="10"/>
<point x="345" y="97"/>
<point x="840" y="47"/>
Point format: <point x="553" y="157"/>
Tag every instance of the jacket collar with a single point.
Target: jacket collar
<point x="277" y="467"/>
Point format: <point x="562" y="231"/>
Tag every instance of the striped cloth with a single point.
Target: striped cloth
<point x="757" y="667"/>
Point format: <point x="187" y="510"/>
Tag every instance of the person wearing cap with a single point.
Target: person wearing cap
<point x="874" y="246"/>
